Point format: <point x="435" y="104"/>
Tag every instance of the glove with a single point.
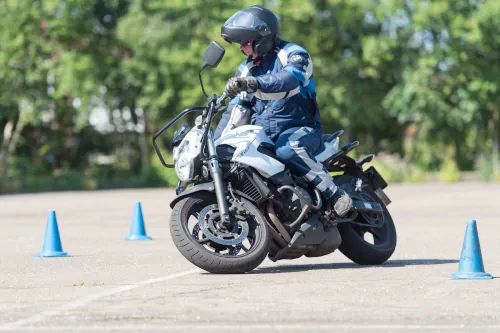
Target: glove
<point x="235" y="85"/>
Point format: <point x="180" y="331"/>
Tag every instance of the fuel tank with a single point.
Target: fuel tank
<point x="252" y="148"/>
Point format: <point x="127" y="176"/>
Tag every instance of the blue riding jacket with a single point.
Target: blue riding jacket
<point x="286" y="97"/>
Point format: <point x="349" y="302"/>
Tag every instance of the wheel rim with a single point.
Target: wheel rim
<point x="375" y="236"/>
<point x="202" y="223"/>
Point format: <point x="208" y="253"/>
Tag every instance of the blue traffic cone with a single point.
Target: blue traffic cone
<point x="137" y="229"/>
<point x="52" y="242"/>
<point x="471" y="261"/>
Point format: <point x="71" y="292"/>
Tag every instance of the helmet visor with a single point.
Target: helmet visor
<point x="244" y="19"/>
<point x="243" y="27"/>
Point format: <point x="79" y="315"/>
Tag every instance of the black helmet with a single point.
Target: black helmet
<point x="253" y="23"/>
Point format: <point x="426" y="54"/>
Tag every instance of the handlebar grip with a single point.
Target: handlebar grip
<point x="222" y="98"/>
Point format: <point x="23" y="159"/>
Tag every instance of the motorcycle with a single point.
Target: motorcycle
<point x="237" y="203"/>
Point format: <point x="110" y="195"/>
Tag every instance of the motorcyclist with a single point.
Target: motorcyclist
<point x="274" y="88"/>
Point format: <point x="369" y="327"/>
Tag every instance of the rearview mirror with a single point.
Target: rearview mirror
<point x="213" y="54"/>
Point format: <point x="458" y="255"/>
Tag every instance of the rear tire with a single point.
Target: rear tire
<point x="383" y="240"/>
<point x="208" y="258"/>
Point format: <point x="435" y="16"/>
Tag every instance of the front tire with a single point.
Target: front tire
<point x="192" y="241"/>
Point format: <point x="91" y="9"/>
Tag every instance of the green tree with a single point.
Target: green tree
<point x="412" y="77"/>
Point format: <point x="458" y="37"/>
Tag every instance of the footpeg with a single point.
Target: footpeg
<point x="366" y="159"/>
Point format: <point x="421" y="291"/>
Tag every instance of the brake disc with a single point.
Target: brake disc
<point x="210" y="224"/>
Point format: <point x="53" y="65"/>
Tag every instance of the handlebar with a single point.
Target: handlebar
<point x="222" y="98"/>
<point x="220" y="101"/>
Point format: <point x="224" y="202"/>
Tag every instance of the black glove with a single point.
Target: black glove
<point x="235" y="85"/>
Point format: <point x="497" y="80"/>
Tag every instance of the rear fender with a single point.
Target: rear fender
<point x="376" y="181"/>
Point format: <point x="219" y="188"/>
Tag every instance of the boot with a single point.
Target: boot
<point x="340" y="203"/>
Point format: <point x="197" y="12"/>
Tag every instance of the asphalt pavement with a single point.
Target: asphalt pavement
<point x="110" y="284"/>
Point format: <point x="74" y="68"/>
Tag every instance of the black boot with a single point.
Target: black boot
<point x="340" y="203"/>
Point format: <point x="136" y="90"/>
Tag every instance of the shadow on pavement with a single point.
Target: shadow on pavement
<point x="388" y="264"/>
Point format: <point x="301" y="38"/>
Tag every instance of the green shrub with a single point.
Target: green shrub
<point x="449" y="172"/>
<point x="396" y="170"/>
<point x="488" y="167"/>
<point x="167" y="175"/>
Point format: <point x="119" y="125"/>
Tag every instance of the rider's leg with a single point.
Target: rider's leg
<point x="296" y="147"/>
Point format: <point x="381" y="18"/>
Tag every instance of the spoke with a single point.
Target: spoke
<point x="244" y="248"/>
<point x="203" y="240"/>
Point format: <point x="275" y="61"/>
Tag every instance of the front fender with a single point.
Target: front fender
<point x="204" y="187"/>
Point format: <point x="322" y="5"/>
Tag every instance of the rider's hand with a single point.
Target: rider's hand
<point x="235" y="85"/>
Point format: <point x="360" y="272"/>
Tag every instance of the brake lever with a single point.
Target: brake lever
<point x="220" y="103"/>
<point x="222" y="98"/>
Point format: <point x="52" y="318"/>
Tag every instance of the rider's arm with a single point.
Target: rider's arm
<point x="237" y="113"/>
<point x="287" y="81"/>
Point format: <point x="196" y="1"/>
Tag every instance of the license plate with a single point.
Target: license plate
<point x="382" y="196"/>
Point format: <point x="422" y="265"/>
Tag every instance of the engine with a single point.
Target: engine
<point x="299" y="215"/>
<point x="290" y="206"/>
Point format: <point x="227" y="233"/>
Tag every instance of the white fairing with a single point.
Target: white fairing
<point x="246" y="139"/>
<point x="239" y="116"/>
<point x="186" y="153"/>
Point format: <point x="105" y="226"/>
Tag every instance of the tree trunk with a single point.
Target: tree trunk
<point x="144" y="143"/>
<point x="494" y="133"/>
<point x="11" y="135"/>
<point x="495" y="130"/>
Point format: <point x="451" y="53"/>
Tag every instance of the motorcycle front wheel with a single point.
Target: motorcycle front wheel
<point x="200" y="236"/>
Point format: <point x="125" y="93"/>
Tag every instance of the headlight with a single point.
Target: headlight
<point x="184" y="163"/>
<point x="184" y="168"/>
<point x="187" y="155"/>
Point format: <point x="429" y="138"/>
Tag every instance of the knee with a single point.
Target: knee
<point x="285" y="152"/>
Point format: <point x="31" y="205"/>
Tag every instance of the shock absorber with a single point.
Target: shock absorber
<point x="216" y="173"/>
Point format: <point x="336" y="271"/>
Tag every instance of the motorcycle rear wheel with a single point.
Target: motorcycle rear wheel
<point x="369" y="245"/>
<point x="213" y="257"/>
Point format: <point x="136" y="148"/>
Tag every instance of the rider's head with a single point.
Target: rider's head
<point x="254" y="26"/>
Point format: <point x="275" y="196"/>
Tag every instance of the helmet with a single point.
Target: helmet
<point x="254" y="23"/>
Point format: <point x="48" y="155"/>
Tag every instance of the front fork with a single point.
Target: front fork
<point x="216" y="173"/>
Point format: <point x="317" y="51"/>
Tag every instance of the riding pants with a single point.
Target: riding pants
<point x="296" y="147"/>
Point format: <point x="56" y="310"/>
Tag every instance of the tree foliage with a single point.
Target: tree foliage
<point x="86" y="83"/>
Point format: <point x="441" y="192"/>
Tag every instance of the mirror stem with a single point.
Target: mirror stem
<point x="201" y="81"/>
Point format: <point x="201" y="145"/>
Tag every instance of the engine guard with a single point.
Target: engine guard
<point x="311" y="240"/>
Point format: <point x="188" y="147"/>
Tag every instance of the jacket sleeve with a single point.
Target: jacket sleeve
<point x="238" y="111"/>
<point x="286" y="82"/>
